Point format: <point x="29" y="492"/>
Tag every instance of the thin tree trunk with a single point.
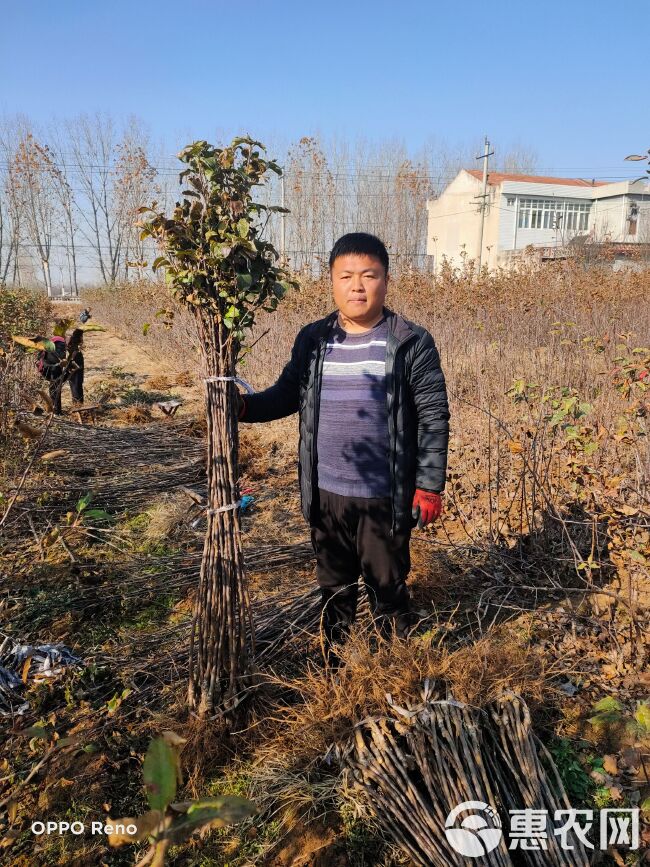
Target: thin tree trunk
<point x="46" y="276"/>
<point x="7" y="263"/>
<point x="72" y="252"/>
<point x="17" y="276"/>
<point x="219" y="658"/>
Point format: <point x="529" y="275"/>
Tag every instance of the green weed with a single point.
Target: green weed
<point x="575" y="778"/>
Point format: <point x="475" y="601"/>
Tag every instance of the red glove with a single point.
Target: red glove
<point x="427" y="506"/>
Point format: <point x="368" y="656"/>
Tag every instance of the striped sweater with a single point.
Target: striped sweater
<point x="352" y="444"/>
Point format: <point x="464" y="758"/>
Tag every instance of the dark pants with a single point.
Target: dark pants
<point x="54" y="377"/>
<point x="76" y="381"/>
<point x="352" y="537"/>
<point x="55" y="394"/>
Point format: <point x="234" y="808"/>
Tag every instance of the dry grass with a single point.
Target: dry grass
<point x="185" y="379"/>
<point x="167" y="517"/>
<point x="159" y="383"/>
<point x="25" y="314"/>
<point x="127" y="309"/>
<point x="135" y="413"/>
<point x="490" y="330"/>
<point x="512" y="480"/>
<point x="329" y="706"/>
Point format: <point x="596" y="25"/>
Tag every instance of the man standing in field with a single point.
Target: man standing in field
<point x="374" y="430"/>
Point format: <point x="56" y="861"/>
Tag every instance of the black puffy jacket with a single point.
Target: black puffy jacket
<point x="418" y="411"/>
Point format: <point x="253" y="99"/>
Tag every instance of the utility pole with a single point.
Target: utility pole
<point x="483" y="197"/>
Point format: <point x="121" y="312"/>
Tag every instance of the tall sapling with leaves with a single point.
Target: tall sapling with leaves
<point x="217" y="262"/>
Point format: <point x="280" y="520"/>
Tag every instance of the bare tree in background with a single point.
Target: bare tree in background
<point x="31" y="175"/>
<point x="519" y="160"/>
<point x="134" y="185"/>
<point x="64" y="192"/>
<point x="8" y="240"/>
<point x="95" y="172"/>
<point x="309" y="195"/>
<point x="115" y="178"/>
<point x="9" y="221"/>
<point x="412" y="187"/>
<point x="92" y="143"/>
<point x="64" y="195"/>
<point x="371" y="196"/>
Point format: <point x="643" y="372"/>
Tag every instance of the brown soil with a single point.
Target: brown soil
<point x="312" y="845"/>
<point x="110" y="358"/>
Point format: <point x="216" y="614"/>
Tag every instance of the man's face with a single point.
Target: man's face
<point x="359" y="284"/>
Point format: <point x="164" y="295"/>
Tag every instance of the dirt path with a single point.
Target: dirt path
<point x="114" y="366"/>
<point x="105" y="352"/>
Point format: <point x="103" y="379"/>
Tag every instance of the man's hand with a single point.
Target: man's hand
<point x="241" y="405"/>
<point x="427" y="506"/>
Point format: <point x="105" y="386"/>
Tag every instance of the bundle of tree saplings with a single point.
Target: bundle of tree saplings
<point x="413" y="769"/>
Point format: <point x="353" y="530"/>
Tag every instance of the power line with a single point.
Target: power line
<point x="373" y="173"/>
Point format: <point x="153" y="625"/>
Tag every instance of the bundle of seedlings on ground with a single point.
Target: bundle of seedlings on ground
<point x="218" y="264"/>
<point x="134" y="580"/>
<point x="121" y="469"/>
<point x="412" y="771"/>
<point x="81" y="449"/>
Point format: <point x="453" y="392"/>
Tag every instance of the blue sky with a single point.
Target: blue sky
<point x="567" y="79"/>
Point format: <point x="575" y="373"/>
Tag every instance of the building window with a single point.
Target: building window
<point x="553" y="214"/>
<point x="510" y="201"/>
<point x="577" y="216"/>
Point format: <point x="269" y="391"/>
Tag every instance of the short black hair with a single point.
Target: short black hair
<point x="76" y="338"/>
<point x="360" y="244"/>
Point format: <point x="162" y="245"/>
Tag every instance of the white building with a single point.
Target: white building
<point x="526" y="211"/>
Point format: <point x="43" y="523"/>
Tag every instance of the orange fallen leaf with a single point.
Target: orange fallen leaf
<point x="610" y="765"/>
<point x="51" y="456"/>
<point x="25" y="671"/>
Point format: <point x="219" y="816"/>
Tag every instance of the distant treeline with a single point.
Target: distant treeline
<point x="70" y="193"/>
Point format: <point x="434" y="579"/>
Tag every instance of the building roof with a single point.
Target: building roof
<point x="495" y="178"/>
